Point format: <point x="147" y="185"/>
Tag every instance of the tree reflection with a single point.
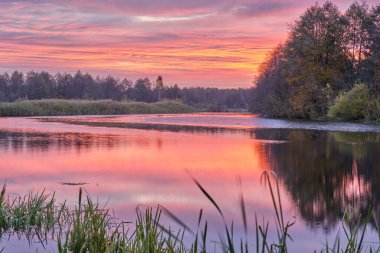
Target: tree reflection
<point x="43" y="142"/>
<point x="326" y="172"/>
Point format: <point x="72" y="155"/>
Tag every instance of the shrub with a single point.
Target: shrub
<point x="373" y="109"/>
<point x="351" y="105"/>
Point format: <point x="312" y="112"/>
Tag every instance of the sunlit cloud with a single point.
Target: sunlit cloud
<point x="170" y="19"/>
<point x="200" y="42"/>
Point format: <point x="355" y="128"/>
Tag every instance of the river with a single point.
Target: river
<point x="145" y="160"/>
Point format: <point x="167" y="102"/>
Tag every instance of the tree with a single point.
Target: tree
<point x="142" y="90"/>
<point x="77" y="86"/>
<point x="316" y="60"/>
<point x="271" y="92"/>
<point x="325" y="54"/>
<point x="40" y="85"/>
<point x="64" y="84"/>
<point x="90" y="90"/>
<point x="373" y="62"/>
<point x="126" y="88"/>
<point x="172" y="92"/>
<point x="316" y="56"/>
<point x="16" y="85"/>
<point x="159" y="86"/>
<point x="4" y="83"/>
<point x="376" y="78"/>
<point x="110" y="88"/>
<point x="357" y="35"/>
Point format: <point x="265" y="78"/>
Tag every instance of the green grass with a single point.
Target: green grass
<point x="89" y="228"/>
<point x="57" y="107"/>
<point x="33" y="215"/>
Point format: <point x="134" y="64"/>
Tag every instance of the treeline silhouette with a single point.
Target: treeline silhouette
<point x="43" y="85"/>
<point x="327" y="53"/>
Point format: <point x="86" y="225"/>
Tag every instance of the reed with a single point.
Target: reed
<point x="354" y="229"/>
<point x="92" y="229"/>
<point x="261" y="230"/>
<point x="58" y="107"/>
<point x="89" y="228"/>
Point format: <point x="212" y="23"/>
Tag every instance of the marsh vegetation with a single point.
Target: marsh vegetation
<point x="58" y="107"/>
<point x="89" y="227"/>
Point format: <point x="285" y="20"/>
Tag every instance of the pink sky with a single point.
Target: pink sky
<point x="216" y="43"/>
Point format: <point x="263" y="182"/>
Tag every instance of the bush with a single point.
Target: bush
<point x="373" y="109"/>
<point x="351" y="105"/>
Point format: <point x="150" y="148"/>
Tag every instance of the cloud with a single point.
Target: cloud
<point x="203" y="41"/>
<point x="262" y="8"/>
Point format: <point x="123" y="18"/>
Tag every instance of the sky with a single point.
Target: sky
<point x="216" y="43"/>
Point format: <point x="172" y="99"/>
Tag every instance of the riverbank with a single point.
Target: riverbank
<point x="325" y="119"/>
<point x="58" y="107"/>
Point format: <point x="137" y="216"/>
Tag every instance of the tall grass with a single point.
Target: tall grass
<point x="89" y="228"/>
<point x="32" y="215"/>
<point x="57" y="107"/>
<point x="262" y="240"/>
<point x="92" y="229"/>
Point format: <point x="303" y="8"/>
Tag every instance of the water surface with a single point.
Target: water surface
<point x="127" y="161"/>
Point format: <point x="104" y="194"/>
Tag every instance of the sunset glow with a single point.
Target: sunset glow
<point x="192" y="43"/>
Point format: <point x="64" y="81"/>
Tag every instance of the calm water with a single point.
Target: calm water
<point x="127" y="161"/>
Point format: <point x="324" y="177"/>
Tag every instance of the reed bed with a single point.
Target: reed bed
<point x="89" y="228"/>
<point x="58" y="107"/>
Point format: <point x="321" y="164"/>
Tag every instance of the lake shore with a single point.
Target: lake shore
<point x="324" y="120"/>
<point x="60" y="107"/>
<point x="66" y="107"/>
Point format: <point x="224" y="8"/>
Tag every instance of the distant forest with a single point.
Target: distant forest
<point x="329" y="67"/>
<point x="43" y="85"/>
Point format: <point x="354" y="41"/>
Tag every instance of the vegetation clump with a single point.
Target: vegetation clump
<point x="356" y="104"/>
<point x="58" y="107"/>
<point x="351" y="105"/>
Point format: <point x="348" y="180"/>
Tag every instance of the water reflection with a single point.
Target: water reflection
<point x="81" y="142"/>
<point x="131" y="163"/>
<point x="327" y="172"/>
<point x="98" y="122"/>
<point x="324" y="172"/>
<point x="42" y="142"/>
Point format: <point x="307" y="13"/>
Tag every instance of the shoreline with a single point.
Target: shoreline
<point x="324" y="120"/>
<point x="67" y="107"/>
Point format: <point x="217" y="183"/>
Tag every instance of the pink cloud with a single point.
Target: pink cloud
<point x="189" y="42"/>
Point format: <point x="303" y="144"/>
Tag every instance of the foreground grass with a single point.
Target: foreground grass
<point x="57" y="107"/>
<point x="89" y="228"/>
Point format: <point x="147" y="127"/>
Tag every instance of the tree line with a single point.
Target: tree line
<point x="326" y="54"/>
<point x="43" y="85"/>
